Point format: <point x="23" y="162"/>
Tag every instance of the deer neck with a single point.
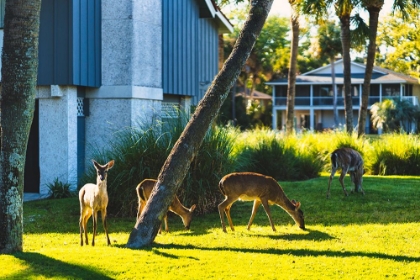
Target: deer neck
<point x="101" y="184"/>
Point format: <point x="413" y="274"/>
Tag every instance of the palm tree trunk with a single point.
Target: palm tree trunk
<point x="19" y="76"/>
<point x="291" y="89"/>
<point x="178" y="162"/>
<point x="345" y="41"/>
<point x="373" y="28"/>
<point x="334" y="88"/>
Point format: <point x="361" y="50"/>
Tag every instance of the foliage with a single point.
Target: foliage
<point x="399" y="40"/>
<point x="281" y="157"/>
<point x="139" y="153"/>
<point x="396" y="154"/>
<point x="58" y="189"/>
<point x="329" y="42"/>
<point x="377" y="234"/>
<point x="394" y="115"/>
<point x="247" y="115"/>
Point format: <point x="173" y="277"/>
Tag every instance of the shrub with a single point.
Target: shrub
<point x="58" y="189"/>
<point x="140" y="154"/>
<point x="281" y="158"/>
<point x="396" y="154"/>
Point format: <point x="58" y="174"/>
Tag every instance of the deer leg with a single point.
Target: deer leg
<point x="267" y="211"/>
<point x="95" y="220"/>
<point x="223" y="207"/>
<point x="81" y="228"/>
<point x="329" y="181"/>
<point x="104" y="222"/>
<point x="165" y="220"/>
<point x="341" y="179"/>
<point x="257" y="204"/>
<point x="86" y="217"/>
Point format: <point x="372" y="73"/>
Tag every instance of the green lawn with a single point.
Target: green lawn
<point x="375" y="236"/>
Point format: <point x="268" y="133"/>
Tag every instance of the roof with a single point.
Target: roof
<point x="209" y="9"/>
<point x="322" y="75"/>
<point x="255" y="95"/>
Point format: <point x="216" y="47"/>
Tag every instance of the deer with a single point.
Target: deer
<point x="144" y="189"/>
<point x="350" y="161"/>
<point x="250" y="186"/>
<point x="94" y="198"/>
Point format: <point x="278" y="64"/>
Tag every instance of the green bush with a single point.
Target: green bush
<point x="272" y="154"/>
<point x="396" y="154"/>
<point x="140" y="154"/>
<point x="58" y="189"/>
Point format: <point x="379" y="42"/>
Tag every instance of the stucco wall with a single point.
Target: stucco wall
<point x="57" y="135"/>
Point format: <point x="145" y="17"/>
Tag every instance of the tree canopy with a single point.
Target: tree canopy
<point x="399" y="43"/>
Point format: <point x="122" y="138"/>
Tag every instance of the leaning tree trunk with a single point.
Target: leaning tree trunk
<point x="19" y="76"/>
<point x="371" y="51"/>
<point x="291" y="88"/>
<point x="184" y="150"/>
<point x="345" y="42"/>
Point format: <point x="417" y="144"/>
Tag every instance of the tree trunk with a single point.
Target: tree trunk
<point x="178" y="162"/>
<point x="291" y="88"/>
<point x="345" y="42"/>
<point x="19" y="76"/>
<point x="373" y="28"/>
<point x="334" y="88"/>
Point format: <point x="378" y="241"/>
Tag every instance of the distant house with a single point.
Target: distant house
<point x="314" y="95"/>
<point x="105" y="65"/>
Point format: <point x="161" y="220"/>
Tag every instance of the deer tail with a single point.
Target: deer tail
<point x="141" y="194"/>
<point x="334" y="160"/>
<point x="221" y="187"/>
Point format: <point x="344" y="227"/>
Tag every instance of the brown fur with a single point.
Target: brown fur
<point x="350" y="161"/>
<point x="262" y="190"/>
<point x="144" y="189"/>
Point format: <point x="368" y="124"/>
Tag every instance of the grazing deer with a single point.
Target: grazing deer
<point x="94" y="198"/>
<point x="144" y="189"/>
<point x="350" y="161"/>
<point x="261" y="189"/>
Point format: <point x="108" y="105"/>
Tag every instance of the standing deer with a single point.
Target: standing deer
<point x="261" y="189"/>
<point x="94" y="198"/>
<point x="350" y="161"/>
<point x="144" y="189"/>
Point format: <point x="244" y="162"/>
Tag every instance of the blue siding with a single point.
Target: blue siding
<point x="180" y="23"/>
<point x="69" y="43"/>
<point x="2" y="8"/>
<point x="208" y="54"/>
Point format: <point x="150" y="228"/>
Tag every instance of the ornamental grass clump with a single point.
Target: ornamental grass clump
<point x="396" y="154"/>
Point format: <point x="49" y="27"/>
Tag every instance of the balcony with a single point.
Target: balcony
<point x="328" y="101"/>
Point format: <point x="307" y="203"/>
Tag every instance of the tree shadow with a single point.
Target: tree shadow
<point x="46" y="267"/>
<point x="294" y="252"/>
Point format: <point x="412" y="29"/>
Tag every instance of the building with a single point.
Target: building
<point x="105" y="65"/>
<point x="314" y="95"/>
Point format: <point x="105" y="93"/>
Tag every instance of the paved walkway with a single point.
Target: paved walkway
<point x="32" y="196"/>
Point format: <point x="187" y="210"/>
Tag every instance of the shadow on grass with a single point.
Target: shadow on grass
<point x="313" y="235"/>
<point x="46" y="267"/>
<point x="294" y="252"/>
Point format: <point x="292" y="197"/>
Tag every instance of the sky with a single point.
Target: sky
<point x="282" y="8"/>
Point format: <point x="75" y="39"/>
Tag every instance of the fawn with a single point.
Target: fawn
<point x="94" y="198"/>
<point x="261" y="189"/>
<point x="350" y="161"/>
<point x="144" y="189"/>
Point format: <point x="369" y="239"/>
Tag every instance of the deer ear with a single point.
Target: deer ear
<point x="110" y="164"/>
<point x="297" y="204"/>
<point x="192" y="208"/>
<point x="95" y="164"/>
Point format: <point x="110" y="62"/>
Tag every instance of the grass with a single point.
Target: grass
<point x="374" y="236"/>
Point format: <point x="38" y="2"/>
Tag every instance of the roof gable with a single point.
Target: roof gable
<point x="356" y="68"/>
